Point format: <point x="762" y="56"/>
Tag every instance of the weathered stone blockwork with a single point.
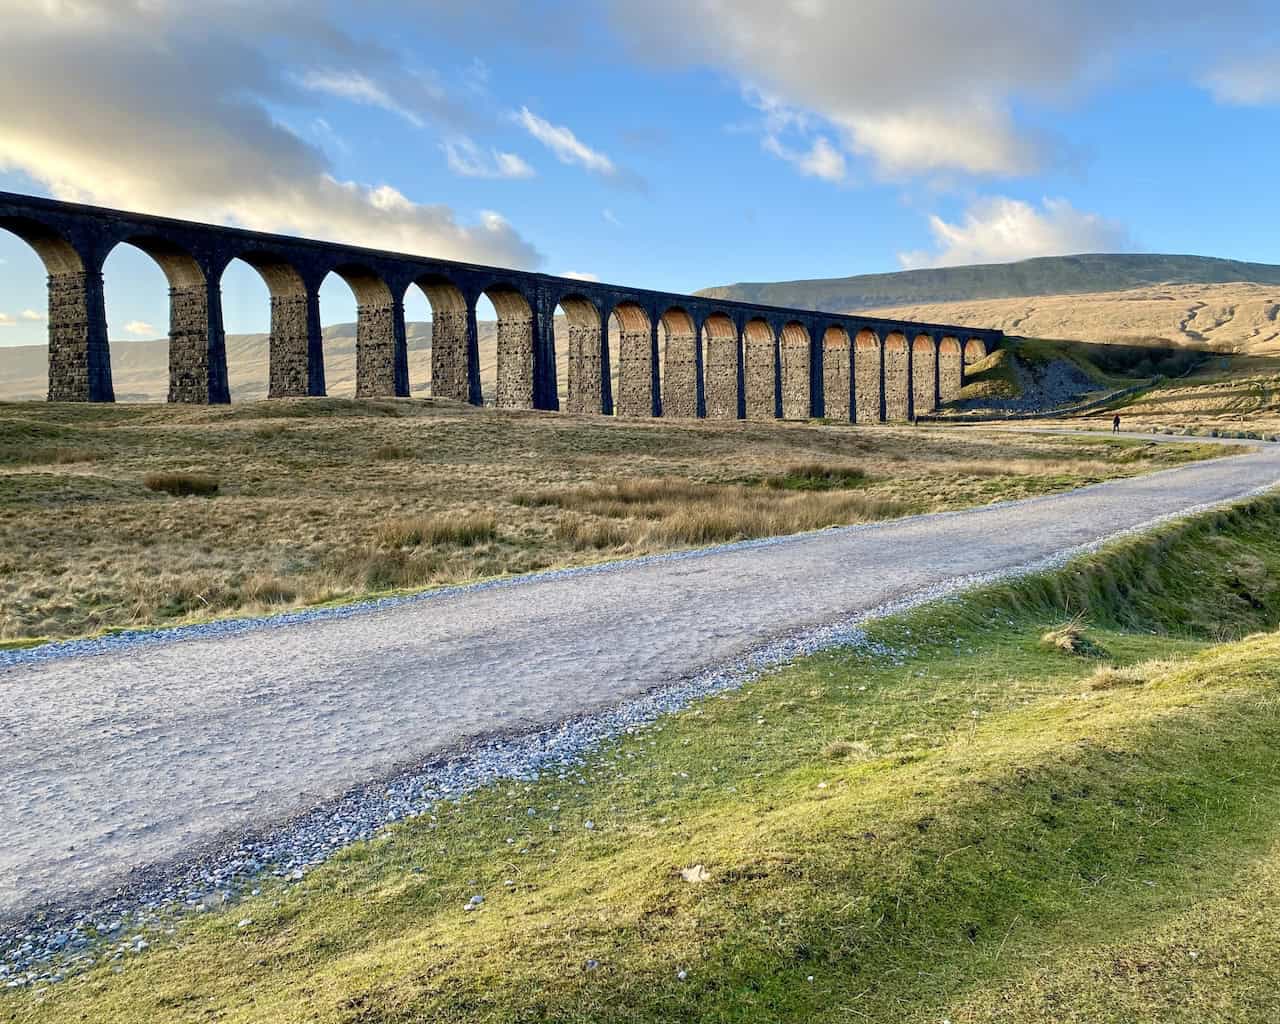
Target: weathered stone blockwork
<point x="795" y="372"/>
<point x="868" y="406"/>
<point x="376" y="343"/>
<point x="450" y="369"/>
<point x="924" y="371"/>
<point x="950" y="369"/>
<point x="680" y="360"/>
<point x="760" y="358"/>
<point x="720" y="367"/>
<point x="704" y="369"/>
<point x="636" y="368"/>
<point x="837" y="375"/>
<point x="897" y="378"/>
<point x="79" y="357"/>
<point x="585" y="384"/>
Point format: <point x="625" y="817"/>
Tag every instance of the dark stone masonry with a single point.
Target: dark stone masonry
<point x="722" y="360"/>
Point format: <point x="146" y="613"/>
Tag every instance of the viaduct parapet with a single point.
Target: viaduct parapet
<point x="678" y="355"/>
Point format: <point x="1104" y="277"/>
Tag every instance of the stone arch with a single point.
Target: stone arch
<point x="453" y="347"/>
<point x="950" y="368"/>
<point x="837" y="375"/>
<point x="924" y="374"/>
<point x="515" y="389"/>
<point x="294" y="353"/>
<point x="868" y="404"/>
<point x="760" y="370"/>
<point x="897" y="377"/>
<point x="975" y="350"/>
<point x="197" y="344"/>
<point x="587" y="371"/>
<point x="795" y="356"/>
<point x="382" y="369"/>
<point x="680" y="359"/>
<point x="721" y="367"/>
<point x="79" y="352"/>
<point x="637" y="361"/>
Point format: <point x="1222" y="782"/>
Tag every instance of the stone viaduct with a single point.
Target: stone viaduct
<point x="678" y="355"/>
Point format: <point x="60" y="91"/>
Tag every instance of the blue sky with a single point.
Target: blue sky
<point x="672" y="144"/>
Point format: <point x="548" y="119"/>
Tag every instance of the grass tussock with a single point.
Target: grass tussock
<point x="979" y="843"/>
<point x="454" y="529"/>
<point x="181" y="484"/>
<point x="1072" y="638"/>
<point x="1111" y="677"/>
<point x="818" y="476"/>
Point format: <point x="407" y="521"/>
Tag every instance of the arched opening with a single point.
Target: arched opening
<point x="975" y="350"/>
<point x="795" y="371"/>
<point x="514" y="388"/>
<point x="197" y="367"/>
<point x="924" y="375"/>
<point x="417" y="340"/>
<point x="897" y="378"/>
<point x="264" y="312"/>
<point x="55" y="330"/>
<point x="584" y="366"/>
<point x="721" y="368"/>
<point x="868" y="402"/>
<point x="680" y="364"/>
<point x="637" y="386"/>
<point x="337" y="304"/>
<point x="950" y="369"/>
<point x="837" y="375"/>
<point x="760" y="370"/>
<point x="440" y="348"/>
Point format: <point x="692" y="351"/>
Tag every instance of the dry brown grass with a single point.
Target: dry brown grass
<point x="1071" y="638"/>
<point x="305" y="514"/>
<point x="181" y="484"/>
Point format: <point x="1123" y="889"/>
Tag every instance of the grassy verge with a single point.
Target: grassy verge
<point x="318" y="501"/>
<point x="970" y="822"/>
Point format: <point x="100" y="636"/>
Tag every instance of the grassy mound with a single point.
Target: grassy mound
<point x="959" y="823"/>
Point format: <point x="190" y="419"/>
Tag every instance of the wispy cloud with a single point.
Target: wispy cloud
<point x="466" y="159"/>
<point x="32" y="316"/>
<point x="140" y="329"/>
<point x="8" y="320"/>
<point x="1249" y="82"/>
<point x="578" y="275"/>
<point x="820" y="160"/>
<point x="569" y="149"/>
<point x="611" y="217"/>
<point x="357" y="88"/>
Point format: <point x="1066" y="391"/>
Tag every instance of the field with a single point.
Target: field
<point x="1051" y="800"/>
<point x="323" y="500"/>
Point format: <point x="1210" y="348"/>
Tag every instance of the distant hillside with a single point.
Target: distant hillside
<point x="1050" y="275"/>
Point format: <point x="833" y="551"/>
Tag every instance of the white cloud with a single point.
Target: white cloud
<point x="567" y="147"/>
<point x="822" y="160"/>
<point x="577" y="275"/>
<point x="8" y="320"/>
<point x="1249" y="81"/>
<point x="465" y="159"/>
<point x="1000" y="230"/>
<point x="32" y="315"/>
<point x="140" y="329"/>
<point x="88" y="88"/>
<point x="923" y="86"/>
<point x="358" y="88"/>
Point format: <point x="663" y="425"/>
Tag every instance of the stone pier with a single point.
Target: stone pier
<point x="924" y="375"/>
<point x="79" y="354"/>
<point x="760" y="370"/>
<point x="837" y="375"/>
<point x="680" y="361"/>
<point x="637" y="362"/>
<point x="869" y="404"/>
<point x="794" y="346"/>
<point x="722" y="371"/>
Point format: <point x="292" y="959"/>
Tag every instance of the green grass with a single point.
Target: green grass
<point x="965" y="828"/>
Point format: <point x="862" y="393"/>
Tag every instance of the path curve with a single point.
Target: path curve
<point x="136" y="755"/>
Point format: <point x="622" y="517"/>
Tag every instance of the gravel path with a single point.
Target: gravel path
<point x="131" y="752"/>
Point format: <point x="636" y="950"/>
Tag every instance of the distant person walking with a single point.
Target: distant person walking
<point x="1115" y="424"/>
